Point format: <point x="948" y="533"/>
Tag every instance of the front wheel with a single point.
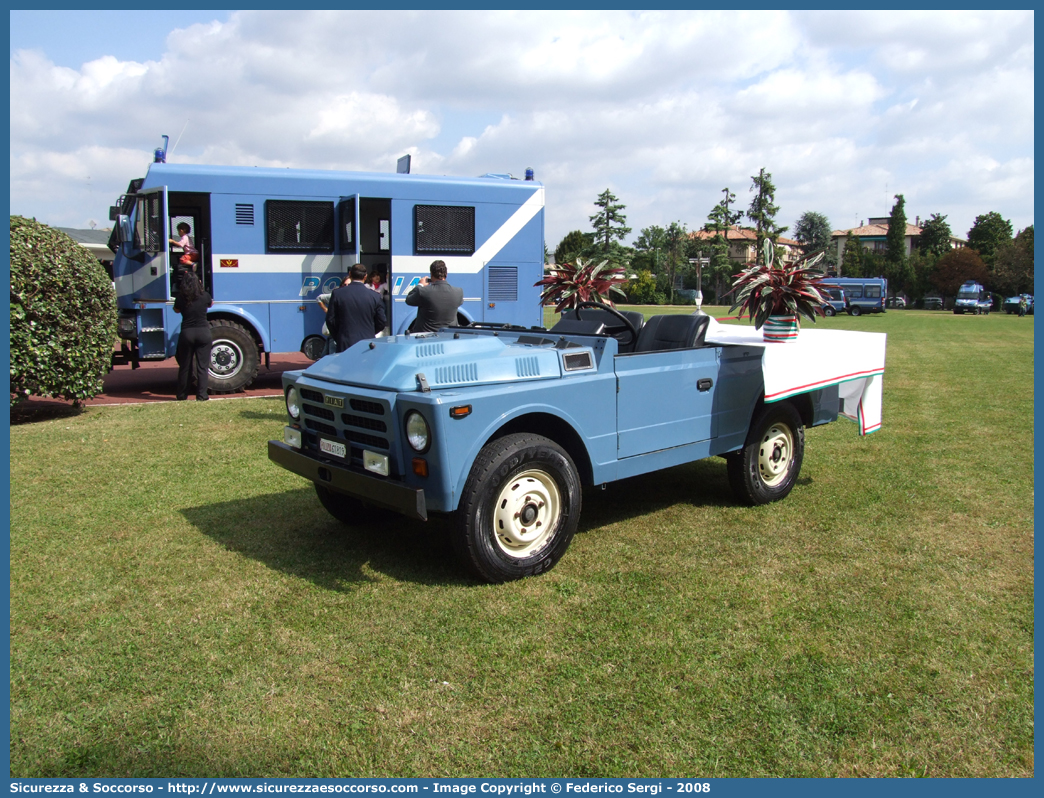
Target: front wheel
<point x="519" y="509"/>
<point x="767" y="467"/>
<point x="855" y="310"/>
<point x="234" y="357"/>
<point x="829" y="311"/>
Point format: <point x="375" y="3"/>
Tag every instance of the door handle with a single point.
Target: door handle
<point x="704" y="384"/>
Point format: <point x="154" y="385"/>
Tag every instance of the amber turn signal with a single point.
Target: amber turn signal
<point x="460" y="412"/>
<point x="420" y="466"/>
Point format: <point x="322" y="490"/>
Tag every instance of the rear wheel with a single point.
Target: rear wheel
<point x="519" y="509"/>
<point x="313" y="347"/>
<point x="234" y="357"/>
<point x="855" y="310"/>
<point x="767" y="467"/>
<point x="829" y="311"/>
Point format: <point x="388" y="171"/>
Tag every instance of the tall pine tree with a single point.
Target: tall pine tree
<point x="763" y="210"/>
<point x="609" y="222"/>
<point x="896" y="260"/>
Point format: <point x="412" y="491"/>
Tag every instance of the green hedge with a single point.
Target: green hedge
<point x="63" y="315"/>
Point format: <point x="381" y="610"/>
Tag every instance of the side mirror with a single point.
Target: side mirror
<point x="114" y="212"/>
<point x="126" y="231"/>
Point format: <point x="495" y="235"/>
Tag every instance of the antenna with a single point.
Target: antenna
<point x="182" y="133"/>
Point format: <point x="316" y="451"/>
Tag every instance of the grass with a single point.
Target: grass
<point x="181" y="607"/>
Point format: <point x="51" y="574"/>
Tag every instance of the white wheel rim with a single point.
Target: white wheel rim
<point x="225" y="358"/>
<point x="775" y="454"/>
<point x="527" y="512"/>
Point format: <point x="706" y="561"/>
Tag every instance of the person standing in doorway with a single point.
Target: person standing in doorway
<point x="356" y="313"/>
<point x="436" y="300"/>
<point x="194" y="341"/>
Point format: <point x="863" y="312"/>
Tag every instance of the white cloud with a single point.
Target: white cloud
<point x="665" y="108"/>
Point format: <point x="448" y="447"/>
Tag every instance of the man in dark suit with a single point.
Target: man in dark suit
<point x="436" y="300"/>
<point x="356" y="312"/>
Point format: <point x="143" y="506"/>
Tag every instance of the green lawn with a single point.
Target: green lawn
<point x="181" y="607"/>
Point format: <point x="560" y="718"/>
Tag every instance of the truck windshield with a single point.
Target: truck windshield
<point x="967" y="294"/>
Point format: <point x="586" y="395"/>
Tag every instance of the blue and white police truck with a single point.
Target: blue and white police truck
<point x="862" y="294"/>
<point x="270" y="241"/>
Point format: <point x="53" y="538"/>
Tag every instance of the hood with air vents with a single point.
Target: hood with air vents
<point x="393" y="363"/>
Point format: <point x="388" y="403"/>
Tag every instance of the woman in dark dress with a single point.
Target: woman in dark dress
<point x="195" y="341"/>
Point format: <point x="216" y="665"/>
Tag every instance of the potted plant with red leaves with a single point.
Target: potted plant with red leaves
<point x="568" y="284"/>
<point x="775" y="296"/>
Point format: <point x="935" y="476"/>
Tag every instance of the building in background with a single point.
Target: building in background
<point x="96" y="242"/>
<point x="874" y="237"/>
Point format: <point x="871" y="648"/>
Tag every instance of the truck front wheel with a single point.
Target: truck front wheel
<point x="234" y="357"/>
<point x="767" y="467"/>
<point x="519" y="509"/>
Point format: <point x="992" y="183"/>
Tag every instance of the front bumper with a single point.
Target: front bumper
<point x="380" y="492"/>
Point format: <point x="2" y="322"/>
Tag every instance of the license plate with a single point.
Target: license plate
<point x="333" y="448"/>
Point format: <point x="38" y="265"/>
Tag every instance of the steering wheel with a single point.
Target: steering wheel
<point x="627" y="325"/>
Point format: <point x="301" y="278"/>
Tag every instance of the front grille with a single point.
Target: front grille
<point x="358" y="427"/>
<point x="321" y="412"/>
<point x="363" y="422"/>
<point x="366" y="440"/>
<point x="363" y="406"/>
<point x="319" y="426"/>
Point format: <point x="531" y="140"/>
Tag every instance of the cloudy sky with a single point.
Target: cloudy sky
<point x="844" y="109"/>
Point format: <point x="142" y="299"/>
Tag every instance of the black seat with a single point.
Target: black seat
<point x="672" y="332"/>
<point x="569" y="325"/>
<point x="613" y="326"/>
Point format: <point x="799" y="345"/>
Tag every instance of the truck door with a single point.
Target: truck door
<point x="150" y="282"/>
<point x="665" y="399"/>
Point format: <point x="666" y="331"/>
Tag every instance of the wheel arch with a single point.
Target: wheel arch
<point x="258" y="331"/>
<point x="801" y="402"/>
<point x="555" y="429"/>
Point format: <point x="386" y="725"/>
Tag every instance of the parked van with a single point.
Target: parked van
<point x="973" y="298"/>
<point x="836" y="301"/>
<point x="864" y="294"/>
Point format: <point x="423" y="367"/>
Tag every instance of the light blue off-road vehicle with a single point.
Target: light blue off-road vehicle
<point x="501" y="426"/>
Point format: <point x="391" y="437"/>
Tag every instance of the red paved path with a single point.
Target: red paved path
<point x="156" y="381"/>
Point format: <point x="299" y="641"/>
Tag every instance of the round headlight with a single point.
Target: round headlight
<point x="417" y="433"/>
<point x="293" y="403"/>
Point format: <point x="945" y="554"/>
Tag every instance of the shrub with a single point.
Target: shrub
<point x="63" y="315"/>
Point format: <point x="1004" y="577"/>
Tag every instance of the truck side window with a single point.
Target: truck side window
<point x="299" y="226"/>
<point x="444" y="228"/>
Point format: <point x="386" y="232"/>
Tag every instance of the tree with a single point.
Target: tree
<point x="649" y="248"/>
<point x="896" y="238"/>
<point x="763" y="210"/>
<point x="675" y="237"/>
<point x="895" y="266"/>
<point x="957" y="267"/>
<point x="63" y="315"/>
<point x="609" y="221"/>
<point x="572" y="246"/>
<point x="812" y="231"/>
<point x="1013" y="265"/>
<point x="643" y="290"/>
<point x="921" y="265"/>
<point x="989" y="231"/>
<point x="852" y="257"/>
<point x="721" y="219"/>
<point x="935" y="236"/>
